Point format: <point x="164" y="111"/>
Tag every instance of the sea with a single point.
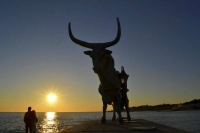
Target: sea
<point x="51" y="122"/>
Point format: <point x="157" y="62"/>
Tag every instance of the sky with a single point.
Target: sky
<point x="159" y="48"/>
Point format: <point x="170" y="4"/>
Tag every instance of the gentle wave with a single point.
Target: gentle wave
<point x="52" y="122"/>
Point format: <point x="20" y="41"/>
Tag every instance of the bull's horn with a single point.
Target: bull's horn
<point x="93" y="45"/>
<point x="77" y="41"/>
<point x="108" y="44"/>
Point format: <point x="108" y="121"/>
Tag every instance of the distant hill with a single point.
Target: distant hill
<point x="191" y="105"/>
<point x="195" y="101"/>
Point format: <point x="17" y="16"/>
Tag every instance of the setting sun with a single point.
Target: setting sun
<point x="51" y="98"/>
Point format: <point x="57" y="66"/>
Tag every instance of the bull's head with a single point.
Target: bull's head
<point x="99" y="54"/>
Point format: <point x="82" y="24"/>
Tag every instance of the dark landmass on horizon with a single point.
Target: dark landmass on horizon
<point x="191" y="105"/>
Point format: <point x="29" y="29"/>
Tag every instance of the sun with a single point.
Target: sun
<point x="51" y="98"/>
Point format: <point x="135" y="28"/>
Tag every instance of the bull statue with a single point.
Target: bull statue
<point x="103" y="66"/>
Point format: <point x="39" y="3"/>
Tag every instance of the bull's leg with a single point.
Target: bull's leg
<point x="118" y="109"/>
<point x="127" y="108"/>
<point x="114" y="110"/>
<point x="103" y="118"/>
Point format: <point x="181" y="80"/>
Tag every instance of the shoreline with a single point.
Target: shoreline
<point x="156" y="110"/>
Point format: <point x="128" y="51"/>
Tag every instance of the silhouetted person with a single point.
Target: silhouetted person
<point x="34" y="120"/>
<point x="123" y="77"/>
<point x="28" y="120"/>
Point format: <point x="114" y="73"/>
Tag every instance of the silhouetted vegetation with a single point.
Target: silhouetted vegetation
<point x="191" y="105"/>
<point x="195" y="101"/>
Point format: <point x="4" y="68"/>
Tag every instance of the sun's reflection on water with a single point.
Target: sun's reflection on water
<point x="49" y="124"/>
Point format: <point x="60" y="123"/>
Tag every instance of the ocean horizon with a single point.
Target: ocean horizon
<point x="51" y="122"/>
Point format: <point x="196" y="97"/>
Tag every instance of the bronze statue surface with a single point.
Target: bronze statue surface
<point x="103" y="66"/>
